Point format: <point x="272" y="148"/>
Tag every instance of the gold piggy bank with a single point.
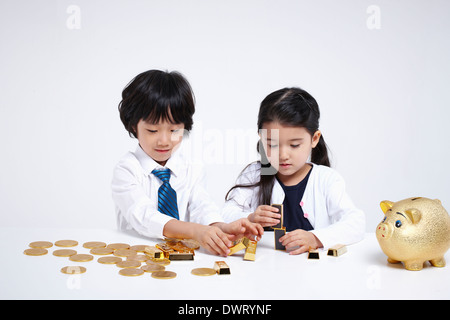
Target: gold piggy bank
<point x="413" y="231"/>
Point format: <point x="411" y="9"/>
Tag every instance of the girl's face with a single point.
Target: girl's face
<point x="288" y="148"/>
<point x="159" y="140"/>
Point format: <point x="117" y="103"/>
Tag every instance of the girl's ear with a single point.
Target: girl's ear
<point x="316" y="138"/>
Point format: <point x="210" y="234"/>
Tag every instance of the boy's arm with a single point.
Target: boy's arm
<point x="133" y="206"/>
<point x="211" y="237"/>
<point x="138" y="211"/>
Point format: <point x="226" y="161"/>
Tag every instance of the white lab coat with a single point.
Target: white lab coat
<point x="325" y="203"/>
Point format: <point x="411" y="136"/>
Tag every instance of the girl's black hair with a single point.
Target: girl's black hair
<point x="292" y="107"/>
<point x="156" y="95"/>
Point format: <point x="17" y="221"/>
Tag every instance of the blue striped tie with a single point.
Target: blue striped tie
<point x="167" y="197"/>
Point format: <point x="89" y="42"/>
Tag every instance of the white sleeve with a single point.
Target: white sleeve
<point x="202" y="209"/>
<point x="242" y="201"/>
<point x="347" y="222"/>
<point x="133" y="205"/>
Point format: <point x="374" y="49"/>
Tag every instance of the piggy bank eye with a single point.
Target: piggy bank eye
<point x="384" y="219"/>
<point x="398" y="223"/>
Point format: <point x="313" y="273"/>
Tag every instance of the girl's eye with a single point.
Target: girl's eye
<point x="295" y="145"/>
<point x="272" y="145"/>
<point x="152" y="131"/>
<point x="398" y="223"/>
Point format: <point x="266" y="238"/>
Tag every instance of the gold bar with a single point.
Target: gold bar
<point x="238" y="245"/>
<point x="337" y="250"/>
<point x="179" y="255"/>
<point x="278" y="233"/>
<point x="153" y="252"/>
<point x="313" y="254"/>
<point x="166" y="249"/>
<point x="221" y="267"/>
<point x="251" y="250"/>
<point x="280" y="211"/>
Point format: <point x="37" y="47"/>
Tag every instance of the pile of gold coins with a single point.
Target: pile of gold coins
<point x="128" y="258"/>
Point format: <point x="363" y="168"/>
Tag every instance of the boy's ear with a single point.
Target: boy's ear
<point x="316" y="138"/>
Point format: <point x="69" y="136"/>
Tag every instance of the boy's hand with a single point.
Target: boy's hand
<point x="265" y="215"/>
<point x="243" y="228"/>
<point x="213" y="239"/>
<point x="303" y="239"/>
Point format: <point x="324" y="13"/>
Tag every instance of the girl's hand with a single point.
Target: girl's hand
<point x="303" y="239"/>
<point x="243" y="228"/>
<point x="213" y="239"/>
<point x="265" y="215"/>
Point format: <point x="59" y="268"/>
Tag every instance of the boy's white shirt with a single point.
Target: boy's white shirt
<point x="135" y="193"/>
<point x="328" y="207"/>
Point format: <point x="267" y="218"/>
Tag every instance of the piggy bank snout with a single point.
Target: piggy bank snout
<point x="384" y="231"/>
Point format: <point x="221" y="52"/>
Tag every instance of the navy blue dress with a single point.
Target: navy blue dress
<point x="293" y="213"/>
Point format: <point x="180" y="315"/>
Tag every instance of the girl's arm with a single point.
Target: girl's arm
<point x="347" y="221"/>
<point x="242" y="201"/>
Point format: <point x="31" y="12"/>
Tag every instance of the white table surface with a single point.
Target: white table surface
<point x="361" y="273"/>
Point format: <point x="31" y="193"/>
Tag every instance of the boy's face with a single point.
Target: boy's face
<point x="159" y="140"/>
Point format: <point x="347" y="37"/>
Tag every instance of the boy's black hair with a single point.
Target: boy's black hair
<point x="156" y="95"/>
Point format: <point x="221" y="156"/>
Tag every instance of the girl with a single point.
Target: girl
<point x="295" y="171"/>
<point x="156" y="190"/>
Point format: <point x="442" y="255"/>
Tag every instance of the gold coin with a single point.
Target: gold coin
<point x="163" y="262"/>
<point x="41" y="244"/>
<point x="203" y="272"/>
<point x="191" y="243"/>
<point x="128" y="264"/>
<point x="139" y="257"/>
<point x="81" y="257"/>
<point x="94" y="245"/>
<point x="131" y="272"/>
<point x="164" y="274"/>
<point x="66" y="243"/>
<point x="73" y="270"/>
<point x="153" y="267"/>
<point x="109" y="260"/>
<point x="124" y="253"/>
<point x="101" y="251"/>
<point x="35" y="252"/>
<point x="64" y="252"/>
<point x="139" y="248"/>
<point x="118" y="246"/>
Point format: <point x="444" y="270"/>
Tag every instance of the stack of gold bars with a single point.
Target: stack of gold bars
<point x="173" y="249"/>
<point x="248" y="245"/>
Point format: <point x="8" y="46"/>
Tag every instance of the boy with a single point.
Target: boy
<point x="155" y="189"/>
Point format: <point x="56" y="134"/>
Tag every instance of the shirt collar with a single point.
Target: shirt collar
<point x="174" y="163"/>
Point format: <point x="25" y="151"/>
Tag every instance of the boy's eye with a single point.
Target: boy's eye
<point x="295" y="145"/>
<point x="152" y="131"/>
<point x="272" y="145"/>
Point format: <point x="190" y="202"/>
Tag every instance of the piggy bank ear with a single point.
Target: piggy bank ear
<point x="386" y="205"/>
<point x="414" y="214"/>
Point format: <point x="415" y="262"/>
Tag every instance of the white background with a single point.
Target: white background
<point x="383" y="93"/>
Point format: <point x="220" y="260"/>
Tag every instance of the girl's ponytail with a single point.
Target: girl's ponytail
<point x="319" y="154"/>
